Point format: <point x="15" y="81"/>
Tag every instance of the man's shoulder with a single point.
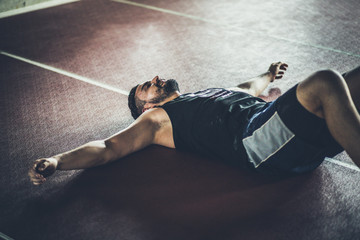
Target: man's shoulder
<point x="161" y="126"/>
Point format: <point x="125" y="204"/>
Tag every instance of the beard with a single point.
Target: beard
<point x="170" y="87"/>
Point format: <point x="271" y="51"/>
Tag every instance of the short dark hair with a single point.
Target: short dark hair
<point x="135" y="104"/>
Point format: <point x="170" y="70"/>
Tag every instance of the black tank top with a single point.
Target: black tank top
<point x="211" y="122"/>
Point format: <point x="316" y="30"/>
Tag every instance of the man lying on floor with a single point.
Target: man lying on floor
<point x="317" y="118"/>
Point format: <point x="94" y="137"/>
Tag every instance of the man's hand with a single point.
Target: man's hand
<point x="275" y="70"/>
<point x="42" y="169"/>
<point x="257" y="85"/>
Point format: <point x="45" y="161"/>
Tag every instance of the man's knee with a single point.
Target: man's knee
<point x="328" y="80"/>
<point x="313" y="91"/>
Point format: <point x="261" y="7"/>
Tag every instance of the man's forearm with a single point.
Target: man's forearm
<point x="89" y="155"/>
<point x="258" y="84"/>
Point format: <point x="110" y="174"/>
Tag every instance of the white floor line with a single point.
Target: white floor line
<point x="165" y="11"/>
<point x="234" y="29"/>
<point x="347" y="165"/>
<point x="66" y="73"/>
<point x="5" y="237"/>
<point x="35" y="7"/>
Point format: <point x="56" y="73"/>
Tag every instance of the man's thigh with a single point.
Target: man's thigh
<point x="352" y="79"/>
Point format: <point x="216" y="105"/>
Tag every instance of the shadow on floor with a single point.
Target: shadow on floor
<point x="169" y="192"/>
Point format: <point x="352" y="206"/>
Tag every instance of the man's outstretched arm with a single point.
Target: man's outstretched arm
<point x="137" y="136"/>
<point x="257" y="85"/>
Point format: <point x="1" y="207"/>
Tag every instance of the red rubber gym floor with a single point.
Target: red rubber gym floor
<point x="64" y="75"/>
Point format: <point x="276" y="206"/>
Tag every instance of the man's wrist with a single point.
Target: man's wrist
<point x="55" y="160"/>
<point x="270" y="75"/>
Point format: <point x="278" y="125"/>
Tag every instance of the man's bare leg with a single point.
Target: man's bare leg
<point x="352" y="79"/>
<point x="327" y="95"/>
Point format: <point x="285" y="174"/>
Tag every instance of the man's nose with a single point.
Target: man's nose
<point x="155" y="79"/>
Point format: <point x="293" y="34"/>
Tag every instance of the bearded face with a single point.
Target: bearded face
<point x="165" y="90"/>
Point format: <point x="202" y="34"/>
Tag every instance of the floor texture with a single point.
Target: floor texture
<point x="160" y="193"/>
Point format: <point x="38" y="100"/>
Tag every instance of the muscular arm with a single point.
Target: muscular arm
<point x="88" y="155"/>
<point x="257" y="85"/>
<point x="137" y="136"/>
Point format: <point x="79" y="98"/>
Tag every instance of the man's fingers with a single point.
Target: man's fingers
<point x="35" y="177"/>
<point x="37" y="181"/>
<point x="34" y="166"/>
<point x="278" y="77"/>
<point x="43" y="165"/>
<point x="32" y="173"/>
<point x="41" y="169"/>
<point x="284" y="66"/>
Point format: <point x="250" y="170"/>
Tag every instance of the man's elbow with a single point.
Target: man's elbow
<point x="111" y="152"/>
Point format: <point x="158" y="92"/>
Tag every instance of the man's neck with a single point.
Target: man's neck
<point x="171" y="97"/>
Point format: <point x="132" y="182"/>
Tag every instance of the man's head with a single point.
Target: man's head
<point x="150" y="94"/>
